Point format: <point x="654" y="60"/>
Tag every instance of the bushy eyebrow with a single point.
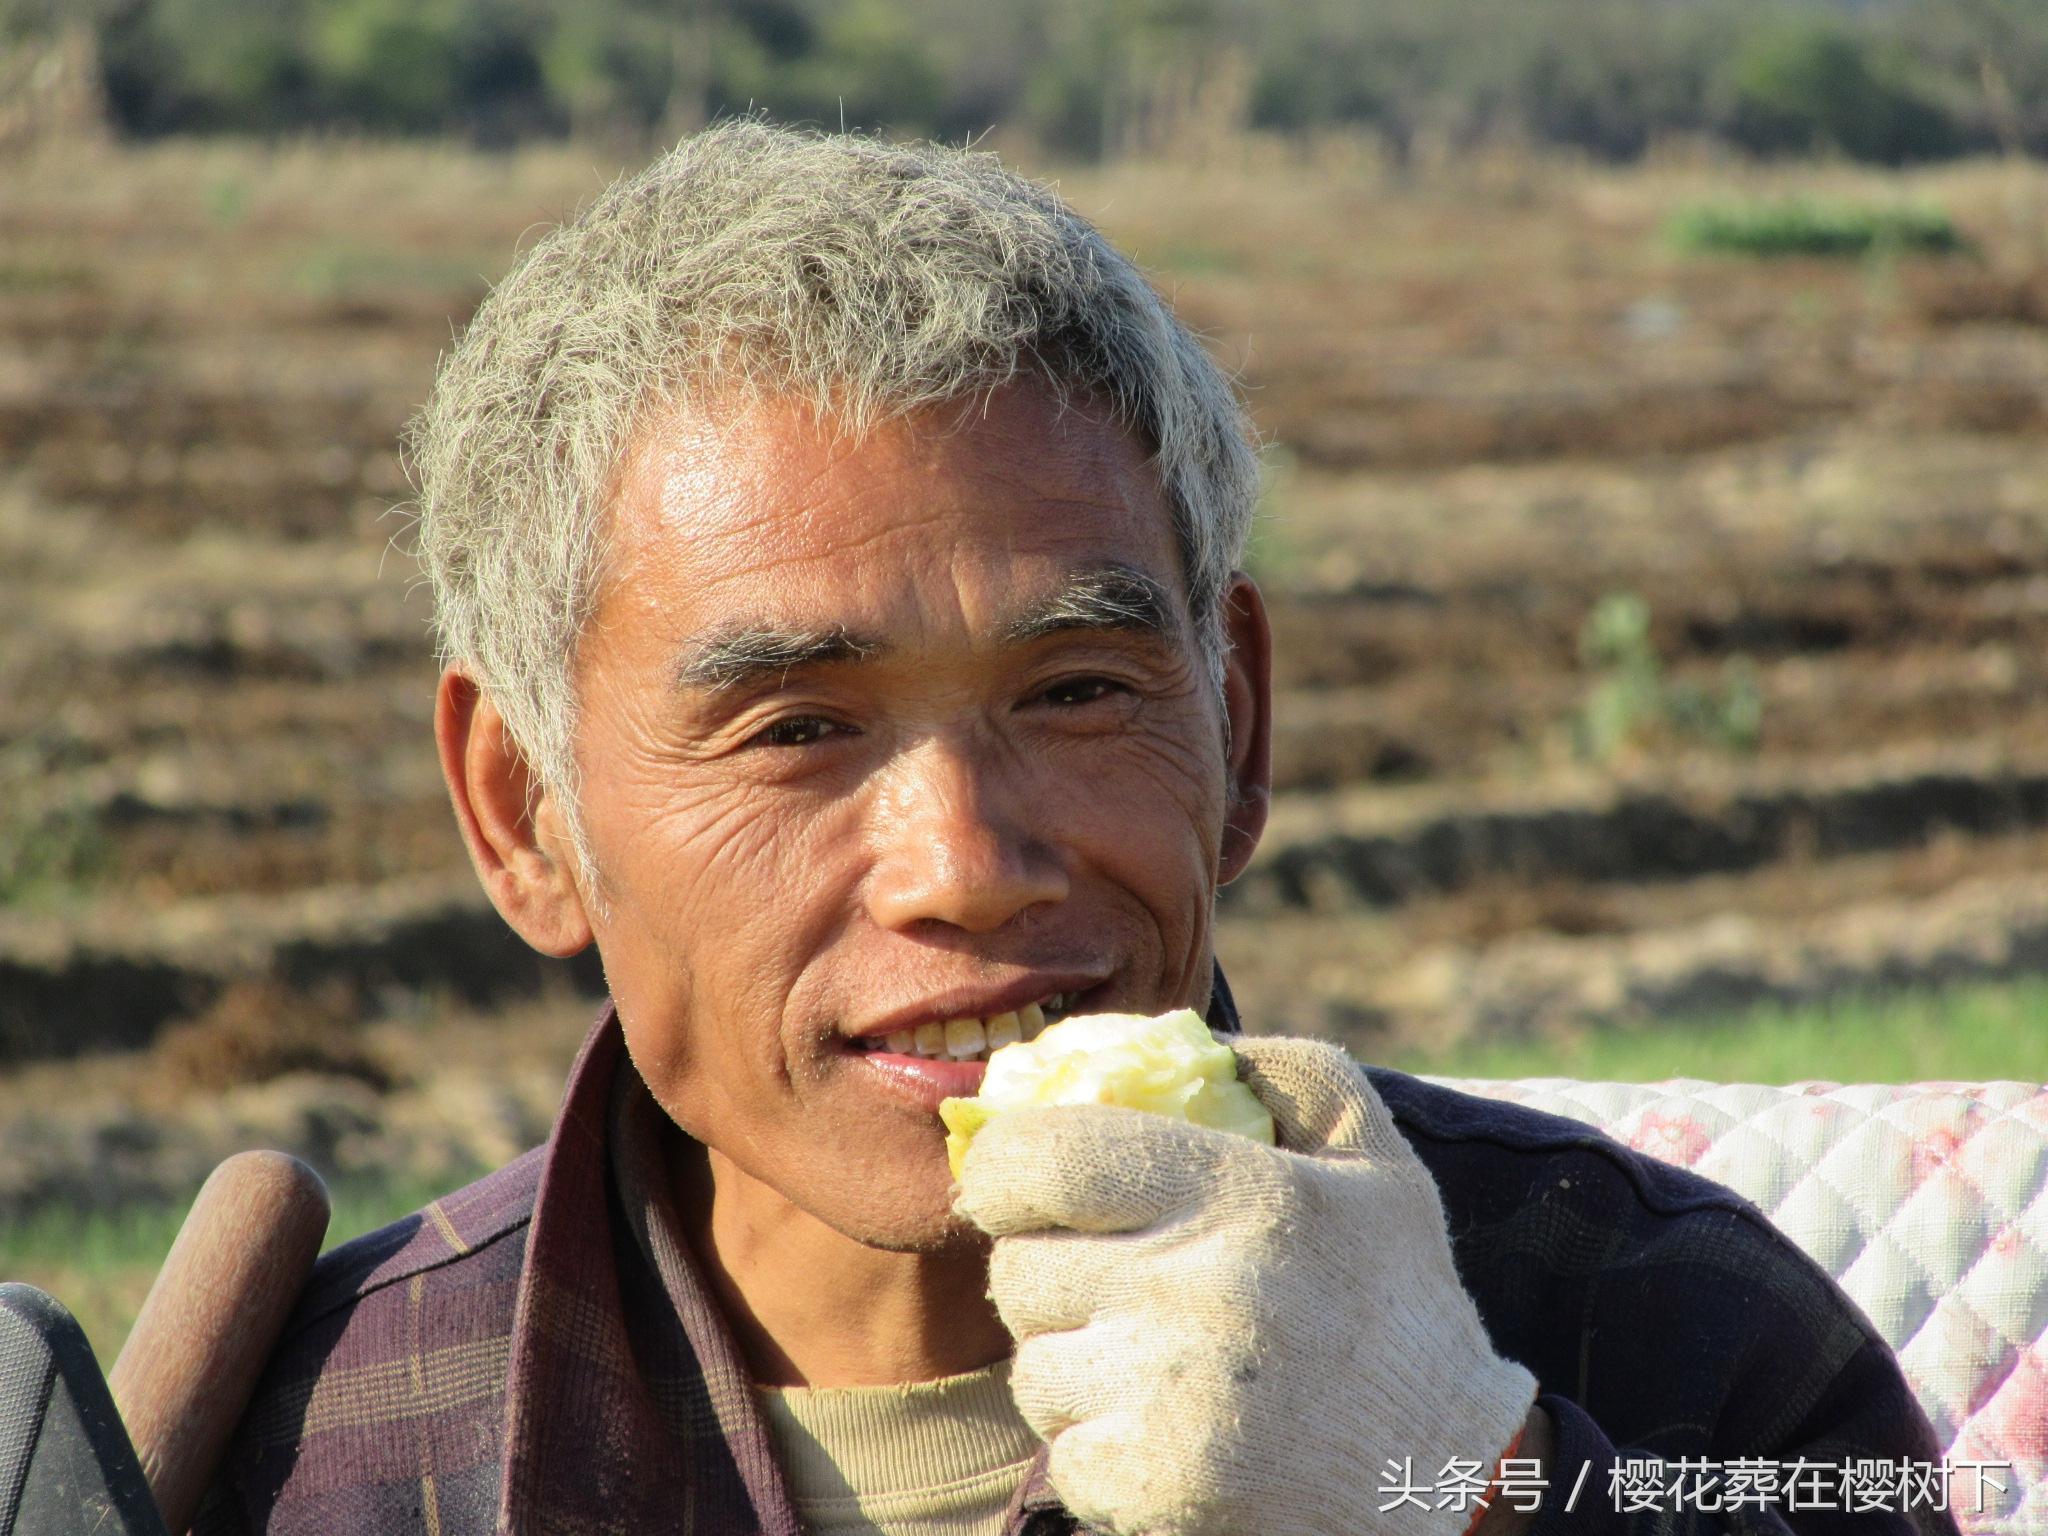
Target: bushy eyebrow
<point x="750" y="655"/>
<point x="1104" y="597"/>
<point x="1109" y="597"/>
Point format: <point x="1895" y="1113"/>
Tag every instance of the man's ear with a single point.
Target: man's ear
<point x="513" y="828"/>
<point x="1248" y="700"/>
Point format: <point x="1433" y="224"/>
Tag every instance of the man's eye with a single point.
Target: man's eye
<point x="798" y="731"/>
<point x="1080" y="690"/>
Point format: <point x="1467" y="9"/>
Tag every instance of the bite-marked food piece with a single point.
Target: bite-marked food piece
<point x="1168" y="1064"/>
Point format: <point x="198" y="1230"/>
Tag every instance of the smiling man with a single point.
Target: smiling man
<point x="835" y="553"/>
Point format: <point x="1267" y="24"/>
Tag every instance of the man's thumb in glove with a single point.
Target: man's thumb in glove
<point x="1083" y="1167"/>
<point x="1320" y="1101"/>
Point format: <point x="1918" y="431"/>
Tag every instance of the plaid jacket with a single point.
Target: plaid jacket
<point x="517" y="1358"/>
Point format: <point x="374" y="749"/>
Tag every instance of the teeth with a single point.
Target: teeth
<point x="971" y="1039"/>
<point x="964" y="1037"/>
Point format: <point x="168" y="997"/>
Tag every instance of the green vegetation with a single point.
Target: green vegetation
<point x="100" y="1263"/>
<point x="1816" y="84"/>
<point x="333" y="272"/>
<point x="1631" y="703"/>
<point x="1274" y="556"/>
<point x="1966" y="1034"/>
<point x="1806" y="228"/>
<point x="21" y="273"/>
<point x="1883" y="83"/>
<point x="50" y="855"/>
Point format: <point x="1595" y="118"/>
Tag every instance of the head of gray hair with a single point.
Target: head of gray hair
<point x="866" y="279"/>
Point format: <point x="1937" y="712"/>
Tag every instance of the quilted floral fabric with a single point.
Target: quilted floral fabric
<point x="1928" y="1202"/>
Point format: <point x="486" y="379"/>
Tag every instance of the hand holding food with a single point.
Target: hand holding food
<point x="1216" y="1336"/>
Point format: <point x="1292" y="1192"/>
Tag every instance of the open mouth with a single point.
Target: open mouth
<point x="970" y="1039"/>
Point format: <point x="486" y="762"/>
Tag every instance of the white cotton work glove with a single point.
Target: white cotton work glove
<point x="1219" y="1338"/>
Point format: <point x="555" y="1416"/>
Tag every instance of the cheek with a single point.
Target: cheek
<point x="727" y="874"/>
<point x="1137" y="812"/>
<point x="1146" y="807"/>
<point x="1163" y="772"/>
<point x="687" y="832"/>
<point x="717" y="896"/>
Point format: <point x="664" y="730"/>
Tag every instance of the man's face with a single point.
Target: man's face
<point x="891" y="733"/>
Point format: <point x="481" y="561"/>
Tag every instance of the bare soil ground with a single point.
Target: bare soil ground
<point x="1494" y="396"/>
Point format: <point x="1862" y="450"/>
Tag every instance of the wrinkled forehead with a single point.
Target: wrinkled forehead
<point x="768" y="495"/>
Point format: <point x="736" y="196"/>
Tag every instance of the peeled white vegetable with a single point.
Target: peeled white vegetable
<point x="1169" y="1064"/>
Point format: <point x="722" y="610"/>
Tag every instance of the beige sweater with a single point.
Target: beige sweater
<point x="933" y="1458"/>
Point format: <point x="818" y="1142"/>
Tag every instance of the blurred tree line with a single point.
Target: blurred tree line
<point x="1879" y="80"/>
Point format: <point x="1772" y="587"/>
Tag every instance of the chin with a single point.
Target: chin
<point x="949" y="1235"/>
<point x="916" y="1221"/>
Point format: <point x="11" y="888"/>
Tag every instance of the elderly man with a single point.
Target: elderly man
<point x="834" y="548"/>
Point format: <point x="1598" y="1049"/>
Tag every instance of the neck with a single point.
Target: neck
<point x="810" y="1306"/>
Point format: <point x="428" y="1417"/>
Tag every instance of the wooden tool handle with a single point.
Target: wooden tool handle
<point x="212" y="1318"/>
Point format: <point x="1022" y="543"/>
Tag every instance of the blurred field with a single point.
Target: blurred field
<point x="1661" y="640"/>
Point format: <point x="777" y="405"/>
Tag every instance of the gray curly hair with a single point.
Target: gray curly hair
<point x="866" y="279"/>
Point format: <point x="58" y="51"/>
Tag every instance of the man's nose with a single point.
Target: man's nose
<point x="959" y="844"/>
